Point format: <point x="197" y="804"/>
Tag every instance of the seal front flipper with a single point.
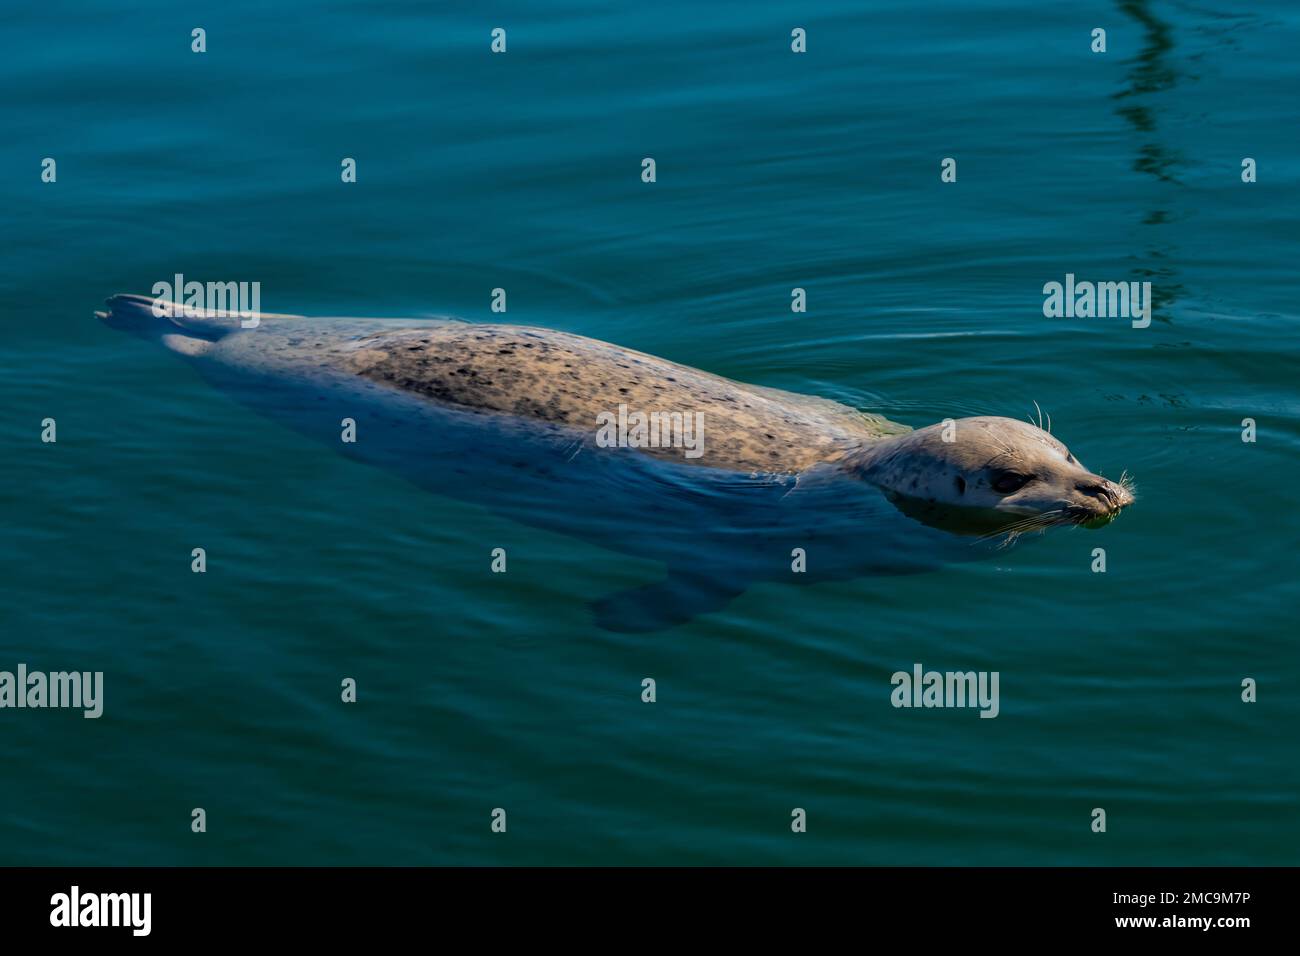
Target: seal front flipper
<point x="679" y="598"/>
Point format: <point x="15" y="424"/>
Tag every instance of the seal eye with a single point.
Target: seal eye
<point x="1070" y="458"/>
<point x="961" y="485"/>
<point x="1009" y="481"/>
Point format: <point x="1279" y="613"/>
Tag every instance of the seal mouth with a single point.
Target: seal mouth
<point x="1098" y="521"/>
<point x="1086" y="518"/>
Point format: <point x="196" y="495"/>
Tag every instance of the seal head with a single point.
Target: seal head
<point x="998" y="473"/>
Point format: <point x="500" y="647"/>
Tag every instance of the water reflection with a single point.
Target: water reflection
<point x="1152" y="73"/>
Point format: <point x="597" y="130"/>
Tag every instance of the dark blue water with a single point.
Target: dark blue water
<point x="775" y="170"/>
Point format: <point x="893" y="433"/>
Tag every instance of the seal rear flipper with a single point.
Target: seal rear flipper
<point x="677" y="599"/>
<point x="155" y="315"/>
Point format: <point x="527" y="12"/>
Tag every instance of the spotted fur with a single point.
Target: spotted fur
<point x="565" y="379"/>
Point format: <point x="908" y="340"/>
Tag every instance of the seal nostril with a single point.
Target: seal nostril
<point x="961" y="485"/>
<point x="1105" y="491"/>
<point x="1098" y="491"/>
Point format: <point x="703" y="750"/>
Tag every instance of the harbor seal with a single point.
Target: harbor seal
<point x="468" y="409"/>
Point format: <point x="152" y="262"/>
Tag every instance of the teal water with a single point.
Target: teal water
<point x="775" y="170"/>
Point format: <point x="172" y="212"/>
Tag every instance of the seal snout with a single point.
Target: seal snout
<point x="1103" y="497"/>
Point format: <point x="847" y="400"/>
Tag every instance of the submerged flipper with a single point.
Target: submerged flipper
<point x="679" y="598"/>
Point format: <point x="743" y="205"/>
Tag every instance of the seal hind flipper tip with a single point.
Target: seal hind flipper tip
<point x="125" y="305"/>
<point x="128" y="300"/>
<point x="126" y="311"/>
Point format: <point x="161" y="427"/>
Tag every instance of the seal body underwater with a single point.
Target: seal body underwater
<point x="513" y="417"/>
